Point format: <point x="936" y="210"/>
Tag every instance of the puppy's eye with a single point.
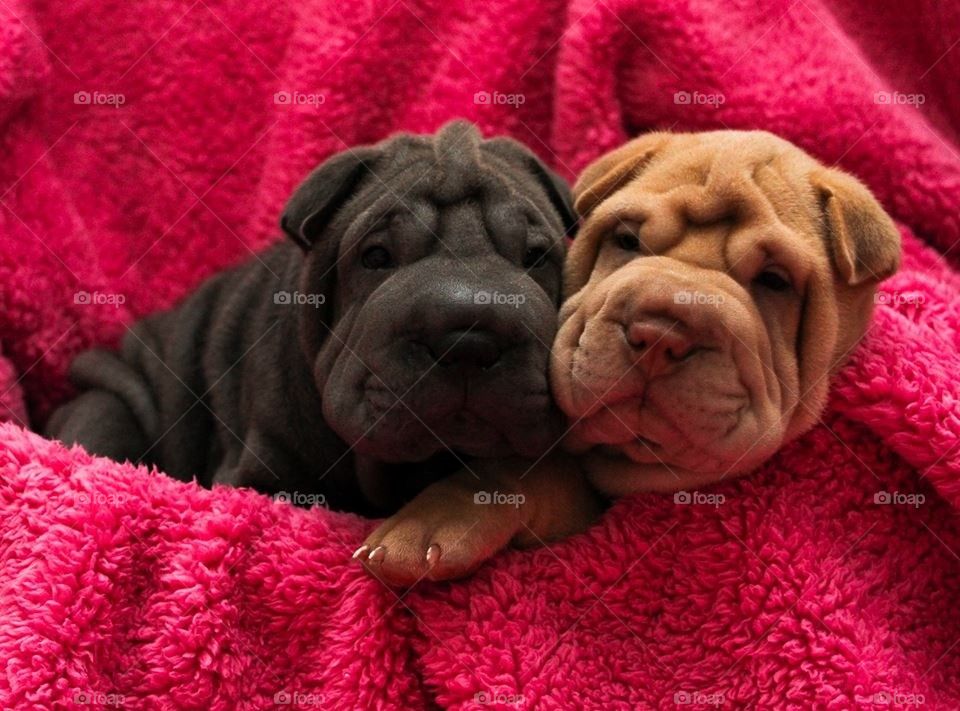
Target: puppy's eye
<point x="774" y="279"/>
<point x="376" y="258"/>
<point x="626" y="239"/>
<point x="535" y="258"/>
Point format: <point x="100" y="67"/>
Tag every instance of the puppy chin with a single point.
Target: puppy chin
<point x="391" y="451"/>
<point x="615" y="474"/>
<point x="396" y="434"/>
<point x="382" y="427"/>
<point x="661" y="444"/>
<point x="415" y="441"/>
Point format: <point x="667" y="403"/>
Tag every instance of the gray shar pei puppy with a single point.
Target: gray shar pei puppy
<point x="402" y="330"/>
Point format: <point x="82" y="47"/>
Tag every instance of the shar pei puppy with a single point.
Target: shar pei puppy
<point x="402" y="330"/>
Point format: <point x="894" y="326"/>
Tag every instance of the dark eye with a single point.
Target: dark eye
<point x="535" y="258"/>
<point x="625" y="238"/>
<point x="376" y="258"/>
<point x="773" y="278"/>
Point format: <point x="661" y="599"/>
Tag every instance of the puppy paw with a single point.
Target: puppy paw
<point x="437" y="537"/>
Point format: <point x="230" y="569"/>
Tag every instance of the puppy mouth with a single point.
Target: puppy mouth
<point x="462" y="399"/>
<point x="410" y="424"/>
<point x="680" y="419"/>
<point x="638" y="444"/>
<point x="647" y="443"/>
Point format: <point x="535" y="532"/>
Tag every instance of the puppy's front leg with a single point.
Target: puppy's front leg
<point x="456" y="524"/>
<point x="256" y="463"/>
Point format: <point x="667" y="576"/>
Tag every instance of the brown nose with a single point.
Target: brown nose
<point x="660" y="343"/>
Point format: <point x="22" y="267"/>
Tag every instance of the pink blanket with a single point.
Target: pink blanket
<point x="148" y="144"/>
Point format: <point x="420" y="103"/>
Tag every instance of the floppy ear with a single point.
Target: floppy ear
<point x="555" y="187"/>
<point x="316" y="200"/>
<point x="306" y="215"/>
<point x="613" y="170"/>
<point x="558" y="191"/>
<point x="864" y="244"/>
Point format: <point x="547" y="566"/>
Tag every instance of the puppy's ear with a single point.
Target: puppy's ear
<point x="864" y="244"/>
<point x="555" y="187"/>
<point x="613" y="170"/>
<point x="559" y="193"/>
<point x="314" y="203"/>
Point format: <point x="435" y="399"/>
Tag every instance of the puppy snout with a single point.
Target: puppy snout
<point x="660" y="343"/>
<point x="474" y="348"/>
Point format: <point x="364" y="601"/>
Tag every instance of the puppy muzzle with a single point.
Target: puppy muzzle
<point x="462" y="366"/>
<point x="669" y="363"/>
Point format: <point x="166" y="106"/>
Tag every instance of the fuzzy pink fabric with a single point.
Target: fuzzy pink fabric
<point x="829" y="579"/>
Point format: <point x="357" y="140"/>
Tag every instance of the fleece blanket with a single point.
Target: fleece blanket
<point x="147" y="145"/>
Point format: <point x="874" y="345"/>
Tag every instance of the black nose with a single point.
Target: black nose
<point x="466" y="348"/>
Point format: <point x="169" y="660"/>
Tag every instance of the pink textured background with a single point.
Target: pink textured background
<point x="798" y="591"/>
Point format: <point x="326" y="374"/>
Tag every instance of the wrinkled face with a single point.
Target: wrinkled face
<point x="446" y="291"/>
<point x="705" y="312"/>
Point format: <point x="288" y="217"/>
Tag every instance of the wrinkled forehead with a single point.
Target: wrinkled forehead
<point x="433" y="190"/>
<point x="749" y="192"/>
